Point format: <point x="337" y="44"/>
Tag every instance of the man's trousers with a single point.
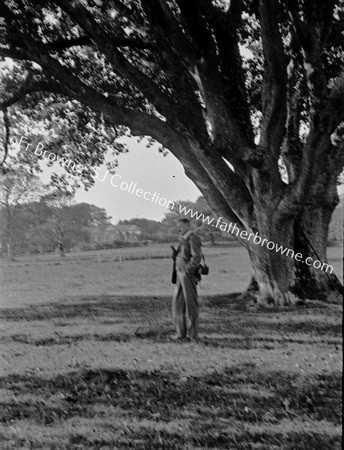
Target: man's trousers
<point x="185" y="309"/>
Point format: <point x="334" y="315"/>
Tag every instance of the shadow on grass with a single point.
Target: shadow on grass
<point x="223" y="315"/>
<point x="111" y="306"/>
<point x="238" y="407"/>
<point x="88" y="307"/>
<point x="164" y="336"/>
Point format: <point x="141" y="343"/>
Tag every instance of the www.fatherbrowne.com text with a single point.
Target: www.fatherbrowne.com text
<point x="256" y="239"/>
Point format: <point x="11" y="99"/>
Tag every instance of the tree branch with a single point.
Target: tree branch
<point x="178" y="56"/>
<point x="216" y="92"/>
<point x="229" y="184"/>
<point x="123" y="67"/>
<point x="225" y="28"/>
<point x="292" y="146"/>
<point x="317" y="149"/>
<point x="63" y="44"/>
<point x="12" y="53"/>
<point x="217" y="196"/>
<point x="274" y="93"/>
<point x="327" y="110"/>
<point x="219" y="89"/>
<point x="121" y="8"/>
<point x="184" y="57"/>
<point x="163" y="18"/>
<point x="140" y="123"/>
<point x="335" y="101"/>
<point x="312" y="35"/>
<point x="30" y="88"/>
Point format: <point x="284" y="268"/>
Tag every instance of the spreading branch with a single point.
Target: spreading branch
<point x="292" y="145"/>
<point x="164" y="20"/>
<point x="335" y="102"/>
<point x="327" y="106"/>
<point x="274" y="93"/>
<point x="225" y="26"/>
<point x="79" y="14"/>
<point x="140" y="123"/>
<point x="63" y="44"/>
<point x="220" y="89"/>
<point x="28" y="88"/>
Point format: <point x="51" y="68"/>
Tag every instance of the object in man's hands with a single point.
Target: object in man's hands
<point x="174" y="252"/>
<point x="174" y="271"/>
<point x="203" y="270"/>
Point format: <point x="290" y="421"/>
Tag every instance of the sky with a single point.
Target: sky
<point x="151" y="171"/>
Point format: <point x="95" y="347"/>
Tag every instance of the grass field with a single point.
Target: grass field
<point x="87" y="361"/>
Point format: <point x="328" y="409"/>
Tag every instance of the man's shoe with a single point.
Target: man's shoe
<point x="178" y="338"/>
<point x="193" y="339"/>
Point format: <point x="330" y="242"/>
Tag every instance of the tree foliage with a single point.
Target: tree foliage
<point x="162" y="68"/>
<point x="40" y="226"/>
<point x="17" y="188"/>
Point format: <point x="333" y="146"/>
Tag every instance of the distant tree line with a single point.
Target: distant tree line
<point x="39" y="227"/>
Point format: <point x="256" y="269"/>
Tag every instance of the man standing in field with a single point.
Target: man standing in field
<point x="185" y="302"/>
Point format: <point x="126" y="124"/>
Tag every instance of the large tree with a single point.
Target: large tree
<point x="17" y="188"/>
<point x="234" y="89"/>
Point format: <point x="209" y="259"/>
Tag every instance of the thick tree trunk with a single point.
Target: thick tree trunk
<point x="281" y="278"/>
<point x="273" y="273"/>
<point x="316" y="278"/>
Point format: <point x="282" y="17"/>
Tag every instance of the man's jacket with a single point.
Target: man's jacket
<point x="190" y="253"/>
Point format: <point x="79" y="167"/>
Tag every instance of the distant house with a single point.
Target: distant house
<point x="102" y="235"/>
<point x="125" y="233"/>
<point x="128" y="233"/>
